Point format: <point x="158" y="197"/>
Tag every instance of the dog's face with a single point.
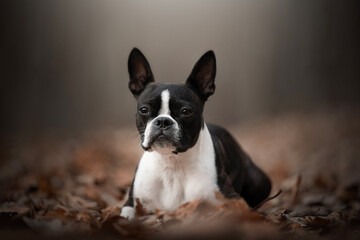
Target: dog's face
<point x="169" y="116"/>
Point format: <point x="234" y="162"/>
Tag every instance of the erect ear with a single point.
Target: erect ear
<point x="203" y="74"/>
<point x="139" y="71"/>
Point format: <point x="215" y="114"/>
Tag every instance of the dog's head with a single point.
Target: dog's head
<point x="169" y="116"/>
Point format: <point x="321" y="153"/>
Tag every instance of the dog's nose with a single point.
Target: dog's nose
<point x="163" y="122"/>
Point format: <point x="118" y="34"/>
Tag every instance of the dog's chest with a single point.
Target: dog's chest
<point x="165" y="182"/>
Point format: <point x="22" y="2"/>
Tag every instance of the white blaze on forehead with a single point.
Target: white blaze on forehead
<point x="164" y="110"/>
<point x="165" y="97"/>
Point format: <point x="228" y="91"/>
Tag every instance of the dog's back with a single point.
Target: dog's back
<point x="237" y="174"/>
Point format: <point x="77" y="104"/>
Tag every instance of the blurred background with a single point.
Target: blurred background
<point x="288" y="79"/>
<point x="63" y="63"/>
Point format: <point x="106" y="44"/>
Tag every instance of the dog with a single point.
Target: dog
<point x="185" y="158"/>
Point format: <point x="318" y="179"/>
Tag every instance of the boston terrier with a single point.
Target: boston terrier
<point x="185" y="158"/>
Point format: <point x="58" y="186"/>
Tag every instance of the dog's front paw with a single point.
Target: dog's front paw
<point x="128" y="213"/>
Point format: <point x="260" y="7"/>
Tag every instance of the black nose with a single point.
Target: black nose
<point x="163" y="122"/>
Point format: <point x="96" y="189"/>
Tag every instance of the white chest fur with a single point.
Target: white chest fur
<point x="165" y="180"/>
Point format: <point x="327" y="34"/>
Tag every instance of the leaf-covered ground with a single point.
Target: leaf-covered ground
<point x="74" y="187"/>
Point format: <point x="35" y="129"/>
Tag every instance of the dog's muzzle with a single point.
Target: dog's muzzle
<point x="162" y="132"/>
<point x="163" y="123"/>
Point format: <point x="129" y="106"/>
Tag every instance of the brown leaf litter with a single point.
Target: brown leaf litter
<point x="77" y="188"/>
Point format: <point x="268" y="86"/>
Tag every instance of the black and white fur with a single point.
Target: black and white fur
<point x="185" y="158"/>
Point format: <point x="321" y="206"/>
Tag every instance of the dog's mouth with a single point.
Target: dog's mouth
<point x="162" y="141"/>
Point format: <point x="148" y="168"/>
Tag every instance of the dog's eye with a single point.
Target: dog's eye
<point x="186" y="111"/>
<point x="144" y="111"/>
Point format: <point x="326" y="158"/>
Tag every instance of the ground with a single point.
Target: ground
<point x="74" y="186"/>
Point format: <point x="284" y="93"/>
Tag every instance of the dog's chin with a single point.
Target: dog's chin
<point x="162" y="145"/>
<point x="162" y="142"/>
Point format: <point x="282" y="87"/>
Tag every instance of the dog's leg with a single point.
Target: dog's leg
<point x="128" y="210"/>
<point x="256" y="187"/>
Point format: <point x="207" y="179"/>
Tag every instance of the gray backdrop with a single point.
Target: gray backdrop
<point x="63" y="63"/>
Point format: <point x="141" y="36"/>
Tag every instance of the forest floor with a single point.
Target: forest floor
<point x="74" y="187"/>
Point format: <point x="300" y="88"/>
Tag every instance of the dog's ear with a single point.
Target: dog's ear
<point x="139" y="71"/>
<point x="203" y="74"/>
